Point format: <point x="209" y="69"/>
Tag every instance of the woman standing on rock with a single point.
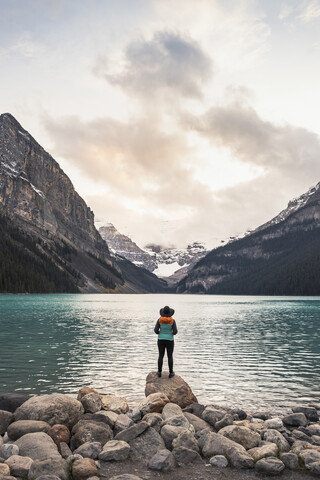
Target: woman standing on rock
<point x="166" y="327"/>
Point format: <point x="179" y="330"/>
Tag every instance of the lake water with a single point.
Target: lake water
<point x="251" y="352"/>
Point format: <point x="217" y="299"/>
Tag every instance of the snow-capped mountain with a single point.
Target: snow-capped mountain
<point x="122" y="245"/>
<point x="161" y="261"/>
<point x="293" y="206"/>
<point x="170" y="260"/>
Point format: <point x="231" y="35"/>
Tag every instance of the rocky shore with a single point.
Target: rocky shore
<point x="52" y="437"/>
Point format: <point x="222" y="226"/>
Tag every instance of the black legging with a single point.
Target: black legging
<point x="162" y="346"/>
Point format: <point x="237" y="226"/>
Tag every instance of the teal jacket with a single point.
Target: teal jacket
<point x="166" y="327"/>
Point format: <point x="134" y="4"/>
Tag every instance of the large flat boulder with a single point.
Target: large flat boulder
<point x="242" y="435"/>
<point x="54" y="408"/>
<point x="176" y="389"/>
<point x="37" y="446"/>
<point x="22" y="427"/>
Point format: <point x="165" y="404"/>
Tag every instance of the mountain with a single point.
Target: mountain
<point x="122" y="245"/>
<point x="174" y="263"/>
<point x="281" y="257"/>
<point x="48" y="233"/>
<point x="170" y="263"/>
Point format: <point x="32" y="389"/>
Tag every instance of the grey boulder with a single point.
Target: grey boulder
<point x="55" y="408"/>
<point x="187" y="440"/>
<point x="91" y="402"/>
<point x="211" y="415"/>
<point x="84" y="432"/>
<point x="295" y="420"/>
<point x="310" y="412"/>
<point x="311" y="459"/>
<point x="242" y="435"/>
<point x="171" y="410"/>
<point x="177" y="421"/>
<point x="219" y="461"/>
<point x="268" y="450"/>
<point x="197" y="423"/>
<point x="122" y="422"/>
<point x="270" y="466"/>
<point x="183" y="456"/>
<point x="224" y="422"/>
<point x="132" y="432"/>
<point x="163" y="461"/>
<point x="239" y="457"/>
<point x="146" y="445"/>
<point x="37" y="446"/>
<point x="49" y="466"/>
<point x="114" y="450"/>
<point x="89" y="450"/>
<point x="169" y="433"/>
<point x="104" y="416"/>
<point x="19" y="466"/>
<point x="276" y="437"/>
<point x="153" y="420"/>
<point x="22" y="427"/>
<point x="290" y="460"/>
<point x="8" y="449"/>
<point x="275" y="423"/>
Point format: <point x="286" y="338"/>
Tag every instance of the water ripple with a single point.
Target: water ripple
<point x="243" y="351"/>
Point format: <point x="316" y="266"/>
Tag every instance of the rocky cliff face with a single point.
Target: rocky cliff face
<point x="279" y="257"/>
<point x="122" y="245"/>
<point x="56" y="227"/>
<point x="35" y="190"/>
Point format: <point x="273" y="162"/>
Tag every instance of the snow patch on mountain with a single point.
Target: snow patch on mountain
<point x="161" y="261"/>
<point x="167" y="269"/>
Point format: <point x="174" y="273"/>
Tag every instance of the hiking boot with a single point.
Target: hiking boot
<point x="171" y="374"/>
<point x="159" y="374"/>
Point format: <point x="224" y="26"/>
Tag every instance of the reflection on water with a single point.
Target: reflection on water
<point x="245" y="351"/>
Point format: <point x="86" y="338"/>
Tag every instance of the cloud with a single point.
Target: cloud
<point x="150" y="175"/>
<point x="169" y="63"/>
<point x="279" y="149"/>
<point x="286" y="11"/>
<point x="152" y="172"/>
<point x="23" y="46"/>
<point x="311" y="11"/>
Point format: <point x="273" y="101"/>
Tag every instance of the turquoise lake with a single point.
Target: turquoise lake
<point x="251" y="352"/>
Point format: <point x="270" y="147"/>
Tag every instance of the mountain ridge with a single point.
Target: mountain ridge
<point x="39" y="200"/>
<point x="251" y="264"/>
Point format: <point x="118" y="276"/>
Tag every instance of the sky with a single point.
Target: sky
<point x="176" y="120"/>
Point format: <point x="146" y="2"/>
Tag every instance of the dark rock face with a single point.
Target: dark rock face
<point x="127" y="248"/>
<point x="35" y="189"/>
<point x="266" y="260"/>
<point x="11" y="401"/>
<point x="41" y="203"/>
